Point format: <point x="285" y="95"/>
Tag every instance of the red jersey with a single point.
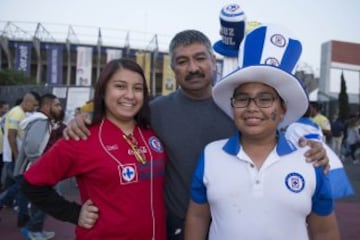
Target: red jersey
<point x="129" y="194"/>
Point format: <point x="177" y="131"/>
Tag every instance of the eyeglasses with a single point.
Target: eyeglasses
<point x="139" y="155"/>
<point x="262" y="100"/>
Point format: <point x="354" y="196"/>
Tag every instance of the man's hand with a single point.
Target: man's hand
<point x="77" y="128"/>
<point x="88" y="215"/>
<point x="316" y="154"/>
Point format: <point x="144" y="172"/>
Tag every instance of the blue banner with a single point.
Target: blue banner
<point x="23" y="57"/>
<point x="54" y="72"/>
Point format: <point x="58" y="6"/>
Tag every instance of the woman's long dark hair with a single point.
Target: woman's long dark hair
<point x="142" y="118"/>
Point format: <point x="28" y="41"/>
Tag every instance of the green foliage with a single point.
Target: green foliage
<point x="12" y="77"/>
<point x="344" y="108"/>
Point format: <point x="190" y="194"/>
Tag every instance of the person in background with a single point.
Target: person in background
<point x="321" y="120"/>
<point x="4" y="108"/>
<point x="119" y="168"/>
<point x="12" y="143"/>
<point x="353" y="137"/>
<point x="185" y="121"/>
<point x="38" y="129"/>
<point x="56" y="133"/>
<point x="255" y="184"/>
<point x="58" y="127"/>
<point x="88" y="108"/>
<point x="337" y="133"/>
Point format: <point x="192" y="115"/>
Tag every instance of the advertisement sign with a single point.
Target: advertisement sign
<point x="54" y="71"/>
<point x="144" y="60"/>
<point x="84" y="66"/>
<point x="113" y="54"/>
<point x="168" y="81"/>
<point x="23" y="57"/>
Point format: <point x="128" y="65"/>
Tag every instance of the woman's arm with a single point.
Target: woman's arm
<point x="48" y="200"/>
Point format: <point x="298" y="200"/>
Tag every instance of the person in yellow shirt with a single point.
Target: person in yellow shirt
<point x="88" y="108"/>
<point x="12" y="142"/>
<point x="321" y="120"/>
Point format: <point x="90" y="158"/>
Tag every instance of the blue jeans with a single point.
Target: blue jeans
<point x="14" y="192"/>
<point x="9" y="174"/>
<point x="36" y="222"/>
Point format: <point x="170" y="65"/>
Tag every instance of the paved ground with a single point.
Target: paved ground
<point x="348" y="213"/>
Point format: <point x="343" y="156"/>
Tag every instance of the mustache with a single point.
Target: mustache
<point x="194" y="74"/>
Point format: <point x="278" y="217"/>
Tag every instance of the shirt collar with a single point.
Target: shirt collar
<point x="283" y="146"/>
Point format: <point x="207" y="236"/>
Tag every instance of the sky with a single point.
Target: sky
<point x="312" y="21"/>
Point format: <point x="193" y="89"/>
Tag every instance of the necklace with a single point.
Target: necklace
<point x="131" y="141"/>
<point x="133" y="144"/>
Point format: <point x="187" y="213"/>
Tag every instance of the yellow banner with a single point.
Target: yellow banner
<point x="144" y="60"/>
<point x="168" y="81"/>
<point x="147" y="69"/>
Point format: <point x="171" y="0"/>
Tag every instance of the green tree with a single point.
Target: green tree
<point x="344" y="108"/>
<point x="12" y="77"/>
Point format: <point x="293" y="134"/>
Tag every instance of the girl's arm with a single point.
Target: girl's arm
<point x="47" y="199"/>
<point x="323" y="227"/>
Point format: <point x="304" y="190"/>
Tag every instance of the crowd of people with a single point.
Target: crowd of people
<point x="30" y="129"/>
<point x="160" y="169"/>
<point x="341" y="134"/>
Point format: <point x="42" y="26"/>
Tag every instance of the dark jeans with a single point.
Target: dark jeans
<point x="353" y="148"/>
<point x="175" y="227"/>
<point x="36" y="222"/>
<point x="14" y="192"/>
<point x="9" y="171"/>
<point x="1" y="168"/>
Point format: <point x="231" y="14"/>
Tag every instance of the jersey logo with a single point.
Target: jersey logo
<point x="295" y="182"/>
<point x="128" y="173"/>
<point x="155" y="144"/>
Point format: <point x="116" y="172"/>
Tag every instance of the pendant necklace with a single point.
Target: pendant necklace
<point x="133" y="144"/>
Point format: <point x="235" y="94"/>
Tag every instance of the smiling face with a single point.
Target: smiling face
<point x="258" y="122"/>
<point x="124" y="96"/>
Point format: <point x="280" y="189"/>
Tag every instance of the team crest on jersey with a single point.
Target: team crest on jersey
<point x="128" y="173"/>
<point x="295" y="182"/>
<point x="155" y="144"/>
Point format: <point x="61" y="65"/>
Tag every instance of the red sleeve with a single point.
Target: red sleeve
<point x="56" y="164"/>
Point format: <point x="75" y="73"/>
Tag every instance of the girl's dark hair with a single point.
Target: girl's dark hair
<point x="143" y="116"/>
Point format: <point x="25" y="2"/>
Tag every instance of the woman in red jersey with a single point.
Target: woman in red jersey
<point x="119" y="168"/>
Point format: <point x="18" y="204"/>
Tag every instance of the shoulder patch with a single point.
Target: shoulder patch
<point x="155" y="144"/>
